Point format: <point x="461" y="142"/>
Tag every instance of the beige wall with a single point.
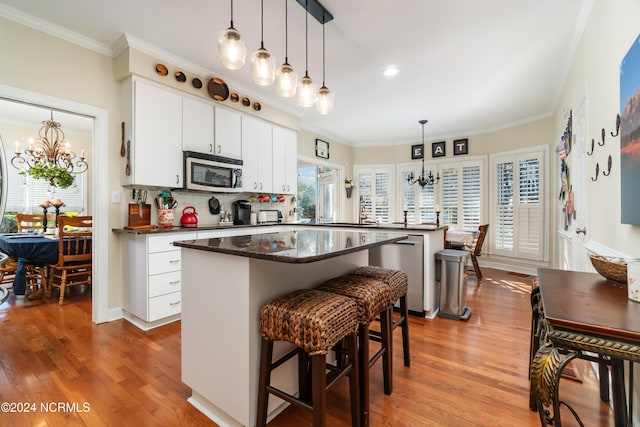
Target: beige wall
<point x="612" y="27"/>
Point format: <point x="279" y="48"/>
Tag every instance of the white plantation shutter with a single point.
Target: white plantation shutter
<point x="450" y="195"/>
<point x="519" y="206"/>
<point x="375" y="185"/>
<point x="427" y="202"/>
<point x="408" y="196"/>
<point x="471" y="196"/>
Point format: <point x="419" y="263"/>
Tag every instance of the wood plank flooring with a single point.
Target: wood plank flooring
<point x="471" y="373"/>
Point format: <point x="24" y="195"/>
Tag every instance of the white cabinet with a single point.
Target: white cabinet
<point x="257" y="155"/>
<point x="152" y="278"/>
<point x="285" y="160"/>
<point x="228" y="133"/>
<point x="197" y="125"/>
<point x="153" y="122"/>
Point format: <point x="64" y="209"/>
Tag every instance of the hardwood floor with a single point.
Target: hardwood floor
<point x="471" y="373"/>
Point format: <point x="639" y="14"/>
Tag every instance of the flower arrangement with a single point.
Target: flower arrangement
<point x="56" y="175"/>
<point x="348" y="183"/>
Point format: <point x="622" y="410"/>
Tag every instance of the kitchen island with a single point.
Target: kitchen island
<point x="225" y="281"/>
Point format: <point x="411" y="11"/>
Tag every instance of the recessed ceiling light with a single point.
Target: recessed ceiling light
<point x="390" y="71"/>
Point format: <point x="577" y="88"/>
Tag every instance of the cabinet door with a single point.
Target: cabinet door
<point x="256" y="155"/>
<point x="285" y="160"/>
<point x="228" y="133"/>
<point x="156" y="145"/>
<point x="197" y="125"/>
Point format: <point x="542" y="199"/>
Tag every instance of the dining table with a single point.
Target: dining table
<point x="28" y="249"/>
<point x="464" y="238"/>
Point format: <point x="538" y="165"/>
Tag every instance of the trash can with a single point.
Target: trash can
<point x="451" y="280"/>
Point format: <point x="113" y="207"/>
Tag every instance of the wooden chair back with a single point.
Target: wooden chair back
<point x="480" y="240"/>
<point x="29" y="222"/>
<point x="74" y="253"/>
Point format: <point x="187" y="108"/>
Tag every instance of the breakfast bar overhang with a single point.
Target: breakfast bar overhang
<point x="225" y="281"/>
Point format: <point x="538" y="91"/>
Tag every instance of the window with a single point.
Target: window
<point x="374" y="186"/>
<point x="518" y="208"/>
<point x="318" y="193"/>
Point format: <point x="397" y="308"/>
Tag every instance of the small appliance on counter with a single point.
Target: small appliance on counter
<point x="189" y="217"/>
<point x="269" y="216"/>
<point x="241" y="212"/>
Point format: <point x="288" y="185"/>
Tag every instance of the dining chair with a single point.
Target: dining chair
<point x="475" y="249"/>
<point x="74" y="254"/>
<point x="29" y="222"/>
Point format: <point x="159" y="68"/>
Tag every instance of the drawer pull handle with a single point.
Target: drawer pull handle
<point x="173" y="304"/>
<point x="175" y="282"/>
<point x="174" y="261"/>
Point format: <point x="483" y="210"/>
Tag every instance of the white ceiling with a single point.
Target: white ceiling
<point x="467" y="66"/>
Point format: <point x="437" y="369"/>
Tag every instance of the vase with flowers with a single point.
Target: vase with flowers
<point x="348" y="186"/>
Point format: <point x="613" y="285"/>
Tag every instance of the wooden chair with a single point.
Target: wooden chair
<point x="29" y="222"/>
<point x="74" y="254"/>
<point x="475" y="250"/>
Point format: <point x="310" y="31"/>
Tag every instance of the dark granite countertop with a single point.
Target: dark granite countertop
<point x="298" y="246"/>
<point x="178" y="229"/>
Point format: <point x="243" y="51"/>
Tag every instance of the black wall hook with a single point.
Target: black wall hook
<point x="604" y="133"/>
<point x="593" y="143"/>
<point x="608" y="172"/>
<point x="597" y="172"/>
<point x="617" y="126"/>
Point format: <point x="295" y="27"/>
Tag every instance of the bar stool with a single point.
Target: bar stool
<point x="372" y="297"/>
<point x="399" y="283"/>
<point x="314" y="322"/>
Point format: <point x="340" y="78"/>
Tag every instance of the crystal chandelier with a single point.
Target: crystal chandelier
<point x="49" y="157"/>
<point x="423" y="179"/>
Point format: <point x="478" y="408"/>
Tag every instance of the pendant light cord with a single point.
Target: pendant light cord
<point x="261" y="24"/>
<point x="231" y="13"/>
<point x="286" y="31"/>
<point x="306" y="38"/>
<point x="323" y="56"/>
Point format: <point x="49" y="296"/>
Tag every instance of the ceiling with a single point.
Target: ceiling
<point x="467" y="66"/>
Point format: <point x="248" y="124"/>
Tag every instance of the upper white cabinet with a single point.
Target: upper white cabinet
<point x="197" y="125"/>
<point x="228" y="133"/>
<point x="153" y="116"/>
<point x="257" y="155"/>
<point x="285" y="160"/>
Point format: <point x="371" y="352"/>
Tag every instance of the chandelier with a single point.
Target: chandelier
<point x="423" y="179"/>
<point x="49" y="157"/>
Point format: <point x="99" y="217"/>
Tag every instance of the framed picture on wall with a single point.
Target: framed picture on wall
<point x="322" y="149"/>
<point x="417" y="151"/>
<point x="460" y="146"/>
<point x="438" y="149"/>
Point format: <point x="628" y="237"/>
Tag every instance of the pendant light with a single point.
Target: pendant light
<point x="286" y="76"/>
<point x="306" y="88"/>
<point x="232" y="48"/>
<point x="423" y="179"/>
<point x="324" y="103"/>
<point x="263" y="63"/>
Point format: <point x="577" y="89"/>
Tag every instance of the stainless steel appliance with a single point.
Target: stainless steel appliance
<point x="212" y="173"/>
<point x="269" y="216"/>
<point x="241" y="212"/>
<point x="408" y="256"/>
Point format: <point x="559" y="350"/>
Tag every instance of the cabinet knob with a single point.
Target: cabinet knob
<point x="211" y="148"/>
<point x="255" y="185"/>
<point x="261" y="186"/>
<point x="288" y="188"/>
<point x="219" y="149"/>
<point x="177" y="179"/>
<point x="173" y="304"/>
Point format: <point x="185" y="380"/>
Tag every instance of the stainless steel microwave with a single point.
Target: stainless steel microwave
<point x="212" y="173"/>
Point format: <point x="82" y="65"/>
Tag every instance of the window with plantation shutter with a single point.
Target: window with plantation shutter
<point x="518" y="211"/>
<point x="375" y="185"/>
<point x="471" y="196"/>
<point x="450" y="195"/>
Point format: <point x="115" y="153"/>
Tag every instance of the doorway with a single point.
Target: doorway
<point x="318" y="197"/>
<point x="99" y="208"/>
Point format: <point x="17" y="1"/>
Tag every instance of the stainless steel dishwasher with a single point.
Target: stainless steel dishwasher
<point x="408" y="256"/>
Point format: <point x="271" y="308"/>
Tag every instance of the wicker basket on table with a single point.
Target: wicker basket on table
<point x="613" y="268"/>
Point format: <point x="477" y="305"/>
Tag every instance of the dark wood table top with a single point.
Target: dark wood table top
<point x="588" y="303"/>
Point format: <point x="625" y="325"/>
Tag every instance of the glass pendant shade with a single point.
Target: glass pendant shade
<point x="263" y="67"/>
<point x="232" y="49"/>
<point x="306" y="92"/>
<point x="286" y="80"/>
<point x="324" y="103"/>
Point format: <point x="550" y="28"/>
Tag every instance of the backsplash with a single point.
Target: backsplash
<point x="200" y="201"/>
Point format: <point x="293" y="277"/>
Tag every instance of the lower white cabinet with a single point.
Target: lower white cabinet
<point x="152" y="278"/>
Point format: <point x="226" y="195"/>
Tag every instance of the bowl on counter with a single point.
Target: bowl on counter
<point x="611" y="268"/>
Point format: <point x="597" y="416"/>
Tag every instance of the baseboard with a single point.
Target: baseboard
<point x="517" y="266"/>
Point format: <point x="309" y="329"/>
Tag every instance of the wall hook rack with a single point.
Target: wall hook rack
<point x="604" y="133"/>
<point x="608" y="172"/>
<point x="617" y="126"/>
<point x="597" y="172"/>
<point x="593" y="143"/>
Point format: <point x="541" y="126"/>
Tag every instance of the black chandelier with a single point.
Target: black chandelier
<point x="423" y="179"/>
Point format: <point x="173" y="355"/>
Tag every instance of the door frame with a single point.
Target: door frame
<point x="99" y="204"/>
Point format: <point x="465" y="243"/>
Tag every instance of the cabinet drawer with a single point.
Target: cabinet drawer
<point x="165" y="306"/>
<point x="166" y="283"/>
<point x="163" y="243"/>
<point x="164" y="262"/>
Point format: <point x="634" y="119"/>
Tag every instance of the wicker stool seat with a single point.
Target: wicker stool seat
<point x="372" y="297"/>
<point x="314" y="321"/>
<point x="399" y="283"/>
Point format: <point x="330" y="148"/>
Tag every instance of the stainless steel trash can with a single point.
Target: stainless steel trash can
<point x="452" y="282"/>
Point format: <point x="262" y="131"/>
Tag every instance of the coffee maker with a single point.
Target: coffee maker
<point x="241" y="212"/>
